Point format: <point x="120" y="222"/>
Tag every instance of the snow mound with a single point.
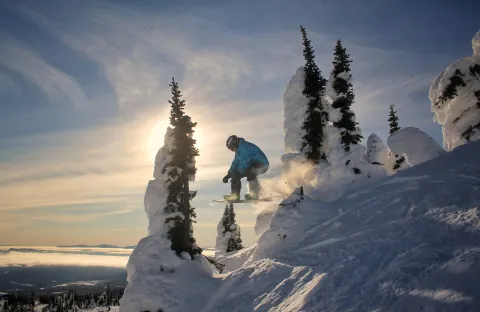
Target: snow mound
<point x="146" y="286"/>
<point x="377" y="152"/>
<point x="294" y="106"/>
<point x="158" y="279"/>
<point x="455" y="95"/>
<point x="415" y="145"/>
<point x="409" y="242"/>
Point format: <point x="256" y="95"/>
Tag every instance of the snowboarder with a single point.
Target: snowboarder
<point x="249" y="162"/>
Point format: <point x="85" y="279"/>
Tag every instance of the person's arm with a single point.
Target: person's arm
<point x="234" y="165"/>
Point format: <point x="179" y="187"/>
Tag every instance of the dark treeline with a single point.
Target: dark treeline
<point x="60" y="302"/>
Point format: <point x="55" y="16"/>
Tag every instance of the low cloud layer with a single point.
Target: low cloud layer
<point x="66" y="256"/>
<point x="50" y="256"/>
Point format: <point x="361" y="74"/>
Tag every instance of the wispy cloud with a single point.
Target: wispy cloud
<point x="232" y="81"/>
<point x="55" y="84"/>
<point x="140" y="51"/>
<point x="85" y="217"/>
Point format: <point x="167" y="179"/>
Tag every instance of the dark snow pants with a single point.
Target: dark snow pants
<point x="251" y="175"/>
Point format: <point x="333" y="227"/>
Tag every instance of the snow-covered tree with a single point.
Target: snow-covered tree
<point x="228" y="232"/>
<point x="180" y="170"/>
<point x="71" y="302"/>
<point x="455" y="97"/>
<point x="91" y="303"/>
<point x="157" y="270"/>
<point x="397" y="161"/>
<point x="294" y="109"/>
<point x="316" y="117"/>
<point x="415" y="145"/>
<point x="341" y="93"/>
<point x="377" y="152"/>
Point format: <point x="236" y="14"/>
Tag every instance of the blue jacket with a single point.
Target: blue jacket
<point x="247" y="155"/>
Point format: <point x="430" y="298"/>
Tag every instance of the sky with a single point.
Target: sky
<point x="84" y="89"/>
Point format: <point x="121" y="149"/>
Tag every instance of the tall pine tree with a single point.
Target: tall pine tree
<point x="341" y="74"/>
<point x="228" y="232"/>
<point x="316" y="115"/>
<point x="393" y="123"/>
<point x="179" y="169"/>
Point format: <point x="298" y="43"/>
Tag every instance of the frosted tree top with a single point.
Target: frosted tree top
<point x="476" y="44"/>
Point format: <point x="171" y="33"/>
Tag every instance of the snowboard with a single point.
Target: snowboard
<point x="240" y="201"/>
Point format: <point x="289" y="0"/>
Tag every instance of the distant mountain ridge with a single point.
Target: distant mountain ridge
<point x="94" y="246"/>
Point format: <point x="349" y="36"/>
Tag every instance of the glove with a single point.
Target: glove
<point x="225" y="178"/>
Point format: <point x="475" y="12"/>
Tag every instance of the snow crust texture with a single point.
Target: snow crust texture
<point x="235" y="259"/>
<point x="415" y="145"/>
<point x="409" y="242"/>
<point x="455" y="97"/>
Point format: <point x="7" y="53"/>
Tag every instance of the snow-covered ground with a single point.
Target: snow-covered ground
<point x="360" y="237"/>
<point x="408" y="243"/>
<point x="235" y="259"/>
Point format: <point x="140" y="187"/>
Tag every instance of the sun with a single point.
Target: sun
<point x="156" y="137"/>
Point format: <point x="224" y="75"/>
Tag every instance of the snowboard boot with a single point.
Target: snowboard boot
<point x="253" y="190"/>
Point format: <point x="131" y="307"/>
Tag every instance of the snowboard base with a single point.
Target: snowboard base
<point x="239" y="201"/>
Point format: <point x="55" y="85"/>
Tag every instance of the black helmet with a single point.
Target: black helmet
<point x="232" y="142"/>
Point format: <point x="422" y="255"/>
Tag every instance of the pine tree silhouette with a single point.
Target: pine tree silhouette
<point x="179" y="169"/>
<point x="349" y="131"/>
<point x="316" y="115"/>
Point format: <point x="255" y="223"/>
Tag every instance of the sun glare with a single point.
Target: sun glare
<point x="156" y="137"/>
<point x="157" y="134"/>
<point x="198" y="135"/>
